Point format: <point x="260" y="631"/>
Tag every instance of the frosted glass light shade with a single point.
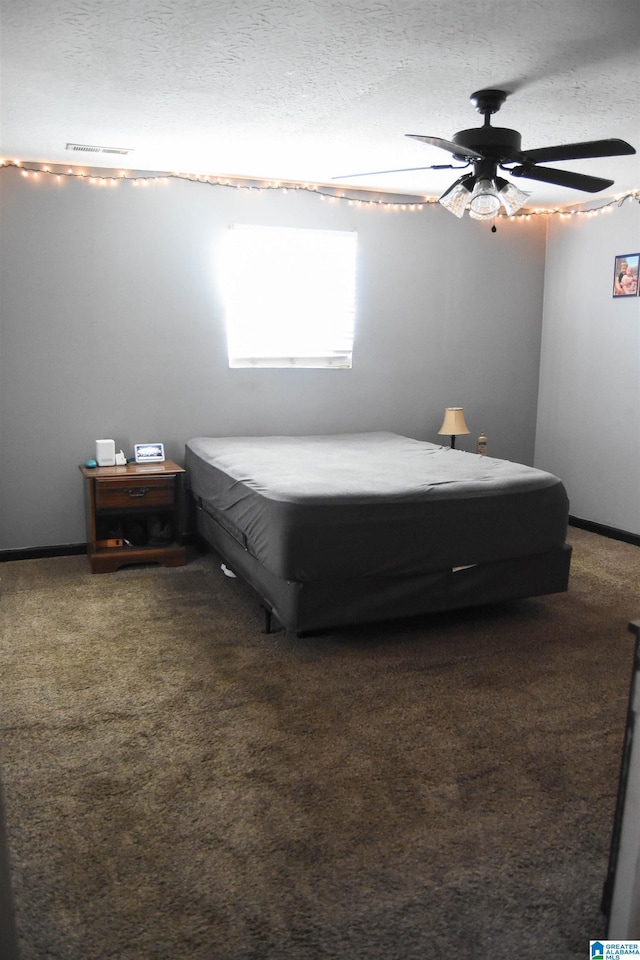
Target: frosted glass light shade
<point x="511" y="196"/>
<point x="453" y="423"/>
<point x="485" y="201"/>
<point x="455" y="198"/>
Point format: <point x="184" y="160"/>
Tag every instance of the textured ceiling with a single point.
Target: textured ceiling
<point x="308" y="90"/>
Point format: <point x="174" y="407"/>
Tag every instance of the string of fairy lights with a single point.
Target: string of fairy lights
<point x="359" y="198"/>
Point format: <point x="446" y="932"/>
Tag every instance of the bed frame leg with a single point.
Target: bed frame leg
<point x="269" y="618"/>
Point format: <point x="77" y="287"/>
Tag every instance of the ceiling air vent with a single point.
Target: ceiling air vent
<point x="92" y="148"/>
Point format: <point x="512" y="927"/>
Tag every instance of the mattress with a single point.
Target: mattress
<point x="368" y="505"/>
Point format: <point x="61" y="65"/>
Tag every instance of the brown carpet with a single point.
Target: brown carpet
<point x="180" y="785"/>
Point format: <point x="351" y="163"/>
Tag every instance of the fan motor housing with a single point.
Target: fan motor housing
<point x="494" y="143"/>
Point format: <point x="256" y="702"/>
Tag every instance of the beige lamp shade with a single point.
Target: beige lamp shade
<point x="453" y="423"/>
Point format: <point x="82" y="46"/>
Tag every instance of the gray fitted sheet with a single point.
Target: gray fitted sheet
<point x="371" y="505"/>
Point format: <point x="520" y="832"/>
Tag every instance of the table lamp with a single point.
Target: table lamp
<point x="454" y="424"/>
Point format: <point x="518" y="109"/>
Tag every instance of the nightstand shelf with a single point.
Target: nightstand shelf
<point x="134" y="514"/>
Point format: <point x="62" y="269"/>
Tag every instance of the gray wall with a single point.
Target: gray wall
<point x="112" y="327"/>
<point x="589" y="407"/>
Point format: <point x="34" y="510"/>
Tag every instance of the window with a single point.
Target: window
<point x="289" y="296"/>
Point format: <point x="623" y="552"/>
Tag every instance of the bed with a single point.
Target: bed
<point x="349" y="528"/>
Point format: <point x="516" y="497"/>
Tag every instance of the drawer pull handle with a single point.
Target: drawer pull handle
<point x="137" y="491"/>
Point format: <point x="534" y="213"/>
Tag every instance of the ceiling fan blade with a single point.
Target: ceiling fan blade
<point x="578" y="151"/>
<point x="563" y="178"/>
<point x="375" y="173"/>
<point x="455" y="148"/>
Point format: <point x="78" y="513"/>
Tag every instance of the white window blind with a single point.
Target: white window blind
<point x="289" y="296"/>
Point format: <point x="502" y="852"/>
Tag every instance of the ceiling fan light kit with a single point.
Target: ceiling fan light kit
<point x="489" y="148"/>
<point x="484" y="198"/>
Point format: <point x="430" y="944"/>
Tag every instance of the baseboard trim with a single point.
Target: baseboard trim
<point x="59" y="550"/>
<point x="612" y="532"/>
<point x="38" y="553"/>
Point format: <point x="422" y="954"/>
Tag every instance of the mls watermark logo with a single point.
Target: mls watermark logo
<point x="613" y="949"/>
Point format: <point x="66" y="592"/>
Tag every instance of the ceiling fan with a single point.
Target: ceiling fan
<point x="488" y="148"/>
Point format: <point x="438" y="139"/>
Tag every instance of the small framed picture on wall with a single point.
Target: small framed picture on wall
<point x="625" y="275"/>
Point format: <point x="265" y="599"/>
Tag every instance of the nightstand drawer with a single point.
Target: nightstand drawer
<point x="133" y="492"/>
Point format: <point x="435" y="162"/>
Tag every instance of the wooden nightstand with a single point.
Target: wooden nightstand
<point x="135" y="514"/>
